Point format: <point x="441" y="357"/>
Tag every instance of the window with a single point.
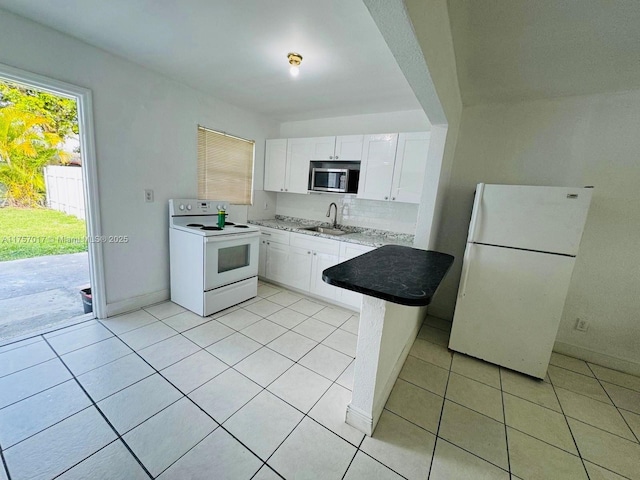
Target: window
<point x="225" y="167"/>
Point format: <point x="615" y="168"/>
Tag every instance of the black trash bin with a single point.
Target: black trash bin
<point x="87" y="303"/>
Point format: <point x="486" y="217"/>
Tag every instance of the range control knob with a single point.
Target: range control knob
<point x="189" y="206"/>
<point x="181" y="206"/>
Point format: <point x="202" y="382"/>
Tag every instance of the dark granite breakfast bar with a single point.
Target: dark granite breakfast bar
<point x="403" y="275"/>
<point x="397" y="284"/>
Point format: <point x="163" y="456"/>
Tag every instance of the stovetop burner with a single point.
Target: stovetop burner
<point x="241" y="226"/>
<point x="195" y="225"/>
<point x="210" y="228"/>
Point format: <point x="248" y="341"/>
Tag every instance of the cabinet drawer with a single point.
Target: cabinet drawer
<point x="275" y="235"/>
<point x="317" y="244"/>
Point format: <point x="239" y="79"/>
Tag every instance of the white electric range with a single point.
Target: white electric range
<point x="212" y="268"/>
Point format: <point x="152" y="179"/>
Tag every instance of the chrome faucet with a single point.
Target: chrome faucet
<point x="335" y="218"/>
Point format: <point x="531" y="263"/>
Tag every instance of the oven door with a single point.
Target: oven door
<point x="230" y="258"/>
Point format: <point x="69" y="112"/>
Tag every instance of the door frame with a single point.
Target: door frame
<point x="83" y="98"/>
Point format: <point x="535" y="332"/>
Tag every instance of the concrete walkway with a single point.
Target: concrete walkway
<point x="39" y="292"/>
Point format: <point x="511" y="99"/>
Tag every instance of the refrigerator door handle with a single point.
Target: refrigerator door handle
<point x="475" y="214"/>
<point x="466" y="264"/>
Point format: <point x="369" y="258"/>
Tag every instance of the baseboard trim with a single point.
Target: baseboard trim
<point x="359" y="420"/>
<point x="615" y="363"/>
<point x="325" y="300"/>
<point x="136" y="303"/>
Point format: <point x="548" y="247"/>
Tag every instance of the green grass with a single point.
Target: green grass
<point x="33" y="232"/>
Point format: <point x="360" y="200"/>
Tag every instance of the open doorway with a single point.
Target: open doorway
<point x="50" y="251"/>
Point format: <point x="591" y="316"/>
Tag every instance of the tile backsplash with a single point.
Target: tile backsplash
<point x="391" y="216"/>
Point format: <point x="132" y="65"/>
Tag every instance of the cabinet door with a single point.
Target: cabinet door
<point x="289" y="265"/>
<point x="275" y="164"/>
<point x="349" y="147"/>
<point x="411" y="163"/>
<point x="262" y="258"/>
<point x="298" y="158"/>
<point x="376" y="169"/>
<point x="322" y="148"/>
<point x="320" y="262"/>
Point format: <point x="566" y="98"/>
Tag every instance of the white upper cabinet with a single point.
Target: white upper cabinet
<point x="275" y="164"/>
<point x="393" y="167"/>
<point x="344" y="147"/>
<point x="286" y="165"/>
<point x="349" y="147"/>
<point x="322" y="148"/>
<point x="376" y="170"/>
<point x="298" y="158"/>
<point x="411" y="162"/>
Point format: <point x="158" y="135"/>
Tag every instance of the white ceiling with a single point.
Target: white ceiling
<point x="510" y="50"/>
<point x="236" y="49"/>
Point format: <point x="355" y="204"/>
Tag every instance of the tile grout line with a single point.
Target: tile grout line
<point x="263" y="389"/>
<point x="3" y="463"/>
<point x="569" y="427"/>
<point x="219" y="425"/>
<point x="94" y="404"/>
<point x="444" y="399"/>
<point x="614" y="405"/>
<point x="504" y="417"/>
<point x="41" y="333"/>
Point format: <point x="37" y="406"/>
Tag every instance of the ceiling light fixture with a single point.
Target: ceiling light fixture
<point x="294" y="59"/>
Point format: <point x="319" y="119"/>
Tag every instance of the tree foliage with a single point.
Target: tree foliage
<point x="32" y="126"/>
<point x="61" y="113"/>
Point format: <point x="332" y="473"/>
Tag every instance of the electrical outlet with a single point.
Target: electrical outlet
<point x="582" y="325"/>
<point x="148" y="195"/>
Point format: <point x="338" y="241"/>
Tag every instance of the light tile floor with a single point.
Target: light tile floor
<point x="260" y="390"/>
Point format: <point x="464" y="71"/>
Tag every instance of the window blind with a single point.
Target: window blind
<point x="225" y="167"/>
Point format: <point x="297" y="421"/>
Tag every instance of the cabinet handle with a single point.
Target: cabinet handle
<point x="386" y="198"/>
<point x="314" y="253"/>
<point x="268" y="243"/>
<point x="330" y="157"/>
<point x="265" y="233"/>
<point x="393" y="198"/>
<point x="308" y="253"/>
<point x="336" y="157"/>
<point x="286" y="189"/>
<point x="282" y="189"/>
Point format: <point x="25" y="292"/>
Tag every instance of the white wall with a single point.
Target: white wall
<point x="430" y="20"/>
<point x="403" y="121"/>
<point x="145" y="128"/>
<point x="577" y="141"/>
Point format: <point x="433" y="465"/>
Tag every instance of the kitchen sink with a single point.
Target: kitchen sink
<point x="325" y="230"/>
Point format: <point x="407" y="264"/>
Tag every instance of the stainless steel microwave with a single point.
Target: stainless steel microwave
<point x="336" y="180"/>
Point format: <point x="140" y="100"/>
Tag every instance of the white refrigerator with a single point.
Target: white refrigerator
<point x="521" y="248"/>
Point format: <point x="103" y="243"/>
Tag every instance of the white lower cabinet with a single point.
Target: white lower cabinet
<point x="262" y="256"/>
<point x="289" y="265"/>
<point x="320" y="262"/>
<point x="298" y="260"/>
<point x="347" y="252"/>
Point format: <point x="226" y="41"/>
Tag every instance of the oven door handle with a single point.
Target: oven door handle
<point x="232" y="236"/>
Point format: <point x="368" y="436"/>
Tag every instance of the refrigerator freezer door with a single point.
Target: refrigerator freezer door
<point x="544" y="219"/>
<point x="509" y="306"/>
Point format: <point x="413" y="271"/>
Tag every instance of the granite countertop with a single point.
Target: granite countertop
<point x="398" y="274"/>
<point x="362" y="236"/>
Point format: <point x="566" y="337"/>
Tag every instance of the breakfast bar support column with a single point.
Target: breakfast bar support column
<point x="385" y="336"/>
